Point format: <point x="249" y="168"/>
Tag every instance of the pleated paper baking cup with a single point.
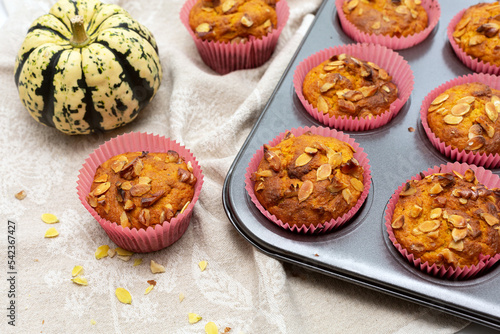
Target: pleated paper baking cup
<point x="432" y="8"/>
<point x="360" y="155"/>
<point x="227" y="57"/>
<point x="473" y="63"/>
<point x="485" y="177"/>
<point x="480" y="159"/>
<point x="389" y="60"/>
<point x="151" y="239"/>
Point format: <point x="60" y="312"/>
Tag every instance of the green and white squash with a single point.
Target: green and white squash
<point x="86" y="67"/>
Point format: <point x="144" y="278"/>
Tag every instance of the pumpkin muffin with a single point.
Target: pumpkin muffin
<point x="141" y="189"/>
<point x="448" y="219"/>
<point x="465" y="117"/>
<point x="477" y="32"/>
<point x="308" y="180"/>
<point x="233" y="20"/>
<point x="393" y="18"/>
<point x="346" y="86"/>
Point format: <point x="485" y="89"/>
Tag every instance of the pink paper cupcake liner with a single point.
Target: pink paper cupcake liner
<point x="396" y="43"/>
<point x="474" y="64"/>
<point x="152" y="239"/>
<point x="227" y="57"/>
<point x="387" y="59"/>
<point x="485" y="177"/>
<point x="360" y="155"/>
<point x="480" y="159"/>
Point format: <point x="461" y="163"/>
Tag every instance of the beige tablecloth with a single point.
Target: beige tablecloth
<point x="241" y="288"/>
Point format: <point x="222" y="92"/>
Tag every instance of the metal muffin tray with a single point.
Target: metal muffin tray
<point x="361" y="252"/>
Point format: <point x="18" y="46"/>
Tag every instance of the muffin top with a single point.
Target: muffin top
<point x="309" y="179"/>
<point x="466" y="117"/>
<point x="141" y="189"/>
<point x="448" y="219"/>
<point x="233" y="20"/>
<point x="346" y="86"/>
<point x="394" y="18"/>
<point x="477" y="32"/>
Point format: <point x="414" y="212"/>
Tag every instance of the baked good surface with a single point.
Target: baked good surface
<point x="141" y="189"/>
<point x="477" y="32"/>
<point x="233" y="20"/>
<point x="466" y="117"/>
<point x="387" y="17"/>
<point x="346" y="86"/>
<point x="448" y="219"/>
<point x="308" y="179"/>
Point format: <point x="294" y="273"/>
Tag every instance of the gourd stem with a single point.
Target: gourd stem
<point x="80" y="38"/>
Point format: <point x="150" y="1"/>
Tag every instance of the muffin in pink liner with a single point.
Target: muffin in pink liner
<point x="440" y="208"/>
<point x="474" y="64"/>
<point x="133" y="239"/>
<point x="396" y="43"/>
<point x="225" y="57"/>
<point x="471" y="157"/>
<point x="390" y="61"/>
<point x="359" y="155"/>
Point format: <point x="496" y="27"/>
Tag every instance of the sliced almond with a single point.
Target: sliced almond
<point x="326" y="87"/>
<point x="126" y="185"/>
<point x="347" y="195"/>
<point x="273" y="159"/>
<point x="475" y="130"/>
<point x="263" y="173"/>
<point x="118" y="164"/>
<point x="403" y="10"/>
<point x="357" y="184"/>
<point x="476" y="40"/>
<point x="353" y="95"/>
<point x="460" y="109"/>
<point x="490" y="130"/>
<point x="246" y="21"/>
<point x="386" y="88"/>
<point x="458" y="246"/>
<point x="452" y="120"/>
<point x="408" y="190"/>
<point x="458" y="234"/>
<point x="435" y="213"/>
<point x="102" y="188"/>
<point x="101" y="178"/>
<point x="305" y="190"/>
<point x="490" y="219"/>
<point x="334" y="158"/>
<point x="415" y="211"/>
<point x="322" y="105"/>
<point x="491" y="111"/>
<point x="203" y="28"/>
<point x="323" y="172"/>
<point x="140" y="189"/>
<point x="123" y="296"/>
<point x="311" y="150"/>
<point x="429" y="225"/>
<point x="352" y="4"/>
<point x="227" y="5"/>
<point x="469" y="175"/>
<point x="466" y="99"/>
<point x="475" y="143"/>
<point x="129" y="205"/>
<point x="382" y="74"/>
<point x="156" y="267"/>
<point x="440" y="99"/>
<point x="463" y="201"/>
<point x="457" y="221"/>
<point x="376" y="25"/>
<point x="463" y="23"/>
<point x="303" y="159"/>
<point x="436" y="189"/>
<point x="368" y="91"/>
<point x="399" y="222"/>
<point x="124" y="219"/>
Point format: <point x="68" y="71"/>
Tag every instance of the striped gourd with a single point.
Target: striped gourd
<point x="86" y="67"/>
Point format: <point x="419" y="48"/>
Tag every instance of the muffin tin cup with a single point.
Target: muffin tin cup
<point x="485" y="177"/>
<point x="151" y="239"/>
<point x="480" y="159"/>
<point x="432" y="8"/>
<point x="226" y="57"/>
<point x="360" y="155"/>
<point x="387" y="59"/>
<point x="474" y="64"/>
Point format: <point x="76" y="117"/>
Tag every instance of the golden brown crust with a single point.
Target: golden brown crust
<point x="233" y="20"/>
<point x="309" y="179"/>
<point x="448" y="219"/>
<point x="466" y="117"/>
<point x="477" y="32"/>
<point x="140" y="189"/>
<point x="346" y="86"/>
<point x="393" y="18"/>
